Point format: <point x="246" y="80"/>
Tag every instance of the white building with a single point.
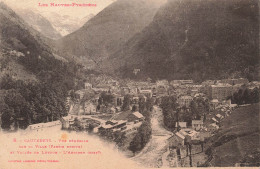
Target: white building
<point x="89" y="108"/>
<point x="184" y="100"/>
<point x="181" y="124"/>
<point x="197" y="124"/>
<point x="88" y="86"/>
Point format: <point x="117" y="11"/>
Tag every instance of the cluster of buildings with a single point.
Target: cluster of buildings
<point x="129" y="125"/>
<point x="104" y="127"/>
<point x="188" y="141"/>
<point x="184" y="90"/>
<point x="136" y="90"/>
<point x="75" y="122"/>
<point x="185" y="137"/>
<point x="220" y="112"/>
<point x="196" y="134"/>
<point x="41" y="126"/>
<point x="187" y="134"/>
<point x="216" y="91"/>
<point x="212" y="121"/>
<point x="199" y="129"/>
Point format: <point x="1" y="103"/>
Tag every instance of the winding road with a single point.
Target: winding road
<point x="152" y="153"/>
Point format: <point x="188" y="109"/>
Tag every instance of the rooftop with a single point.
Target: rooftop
<point x="214" y="101"/>
<point x="221" y="85"/>
<point x="138" y="115"/>
<point x="188" y="132"/>
<point x="180" y="135"/>
<point x="197" y="122"/>
<point x="181" y="124"/>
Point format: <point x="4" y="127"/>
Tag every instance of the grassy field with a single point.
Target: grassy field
<point x="238" y="136"/>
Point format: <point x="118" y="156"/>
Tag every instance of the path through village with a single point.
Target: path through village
<point x="155" y="152"/>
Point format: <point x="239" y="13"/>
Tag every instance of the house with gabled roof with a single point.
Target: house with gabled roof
<point x="197" y="124"/>
<point x="181" y="124"/>
<point x="135" y="116"/>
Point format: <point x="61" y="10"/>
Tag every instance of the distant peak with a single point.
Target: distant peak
<point x="5" y="7"/>
<point x="2" y="4"/>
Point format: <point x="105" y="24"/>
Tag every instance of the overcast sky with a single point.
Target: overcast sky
<point x="72" y="11"/>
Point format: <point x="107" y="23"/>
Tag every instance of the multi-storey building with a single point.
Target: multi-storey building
<point x="184" y="100"/>
<point x="234" y="81"/>
<point x="181" y="82"/>
<point x="220" y="91"/>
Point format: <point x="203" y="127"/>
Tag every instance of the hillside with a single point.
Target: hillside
<point x="237" y="139"/>
<point x="106" y="32"/>
<point x="10" y="67"/>
<point x="39" y="23"/>
<point x="24" y="48"/>
<point x="194" y="39"/>
<point x="34" y="82"/>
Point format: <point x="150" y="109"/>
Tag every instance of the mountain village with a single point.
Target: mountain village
<point x="98" y="108"/>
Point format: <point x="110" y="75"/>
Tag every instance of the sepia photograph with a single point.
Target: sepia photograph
<point x="111" y="84"/>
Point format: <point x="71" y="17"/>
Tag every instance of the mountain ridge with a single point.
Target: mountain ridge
<point x="25" y="47"/>
<point x="109" y="29"/>
<point x="39" y="23"/>
<point x="193" y="40"/>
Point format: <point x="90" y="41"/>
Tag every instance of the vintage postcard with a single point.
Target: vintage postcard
<point x="111" y="84"/>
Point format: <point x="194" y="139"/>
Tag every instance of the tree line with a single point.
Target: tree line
<point x="144" y="132"/>
<point x="173" y="112"/>
<point x="245" y="96"/>
<point x="24" y="103"/>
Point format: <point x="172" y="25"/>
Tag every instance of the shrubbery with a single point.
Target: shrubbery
<point x="28" y="103"/>
<point x="142" y="137"/>
<point x="246" y="96"/>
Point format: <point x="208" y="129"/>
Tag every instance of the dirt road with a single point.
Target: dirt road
<point x="152" y="153"/>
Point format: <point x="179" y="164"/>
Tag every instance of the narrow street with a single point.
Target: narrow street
<point x="152" y="153"/>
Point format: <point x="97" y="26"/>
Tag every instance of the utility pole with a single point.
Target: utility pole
<point x="190" y="147"/>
